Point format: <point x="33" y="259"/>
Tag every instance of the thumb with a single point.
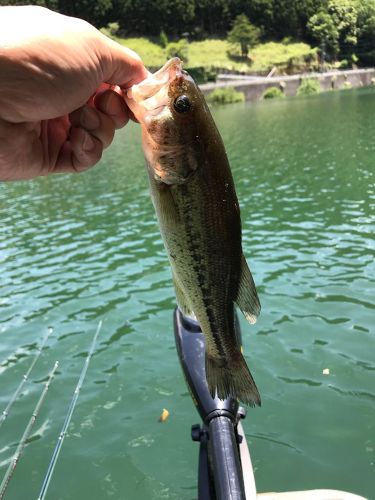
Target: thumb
<point x="122" y="66"/>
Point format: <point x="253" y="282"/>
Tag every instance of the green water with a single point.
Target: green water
<point x="77" y="249"/>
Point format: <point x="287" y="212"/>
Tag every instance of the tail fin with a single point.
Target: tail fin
<point x="232" y="378"/>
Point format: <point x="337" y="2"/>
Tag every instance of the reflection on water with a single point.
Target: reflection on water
<point x="77" y="249"/>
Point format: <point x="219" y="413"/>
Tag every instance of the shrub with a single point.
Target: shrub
<point x="163" y="39"/>
<point x="110" y="30"/>
<point x="178" y="49"/>
<point x="113" y="28"/>
<point x="309" y="87"/>
<point x="225" y="95"/>
<point x="272" y="93"/>
<point x="343" y="64"/>
<point x="202" y="74"/>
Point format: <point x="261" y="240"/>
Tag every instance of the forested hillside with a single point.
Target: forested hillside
<point x="341" y="29"/>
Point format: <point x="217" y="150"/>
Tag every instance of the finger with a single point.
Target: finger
<point x="101" y="88"/>
<point x="121" y="66"/>
<point x="100" y="125"/>
<point x="81" y="152"/>
<point x="113" y="105"/>
<point x="86" y="148"/>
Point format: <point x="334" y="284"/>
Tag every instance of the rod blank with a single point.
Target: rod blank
<point x="68" y="417"/>
<point x="5" y="413"/>
<point x="17" y="455"/>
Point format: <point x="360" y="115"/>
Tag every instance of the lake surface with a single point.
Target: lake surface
<point x="78" y="249"/>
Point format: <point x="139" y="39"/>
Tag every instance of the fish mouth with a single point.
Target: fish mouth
<point x="150" y="98"/>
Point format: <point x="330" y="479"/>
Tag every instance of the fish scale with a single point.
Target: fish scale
<point x="196" y="204"/>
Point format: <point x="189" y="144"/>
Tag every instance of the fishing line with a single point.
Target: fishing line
<point x="68" y="417"/>
<point x="5" y="413"/>
<point x="17" y="455"/>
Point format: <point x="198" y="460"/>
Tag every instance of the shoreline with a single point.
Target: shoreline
<point x="254" y="87"/>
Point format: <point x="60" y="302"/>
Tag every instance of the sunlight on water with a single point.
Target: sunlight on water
<point x="77" y="249"/>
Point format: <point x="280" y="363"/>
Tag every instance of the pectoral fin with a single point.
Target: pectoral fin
<point x="247" y="298"/>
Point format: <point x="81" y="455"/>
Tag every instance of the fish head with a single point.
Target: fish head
<point x="168" y="104"/>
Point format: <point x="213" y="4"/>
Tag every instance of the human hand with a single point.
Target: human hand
<point x="60" y="92"/>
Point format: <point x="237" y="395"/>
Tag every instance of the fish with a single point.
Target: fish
<point x="194" y="196"/>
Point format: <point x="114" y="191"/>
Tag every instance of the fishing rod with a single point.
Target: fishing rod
<point x="68" y="417"/>
<point x="17" y="455"/>
<point x="5" y="413"/>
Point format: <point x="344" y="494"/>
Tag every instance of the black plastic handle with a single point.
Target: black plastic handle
<point x="224" y="458"/>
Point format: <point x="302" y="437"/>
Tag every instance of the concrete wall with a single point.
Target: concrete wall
<point x="255" y="88"/>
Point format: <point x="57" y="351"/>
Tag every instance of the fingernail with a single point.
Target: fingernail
<point x="88" y="143"/>
<point x="89" y="118"/>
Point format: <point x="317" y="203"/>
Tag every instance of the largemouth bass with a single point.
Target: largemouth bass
<point x="196" y="204"/>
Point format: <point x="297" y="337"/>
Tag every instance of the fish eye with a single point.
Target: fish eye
<point x="182" y="104"/>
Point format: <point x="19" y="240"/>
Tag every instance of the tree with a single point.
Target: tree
<point x="150" y="17"/>
<point x="244" y="33"/>
<point x="325" y="32"/>
<point x="213" y="16"/>
<point x="50" y="4"/>
<point x="338" y="26"/>
<point x="344" y="14"/>
<point x="366" y="33"/>
<point x="93" y="12"/>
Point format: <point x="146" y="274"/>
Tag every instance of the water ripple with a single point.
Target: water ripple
<point x="76" y="249"/>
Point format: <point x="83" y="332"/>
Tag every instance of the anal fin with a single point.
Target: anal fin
<point x="247" y="298"/>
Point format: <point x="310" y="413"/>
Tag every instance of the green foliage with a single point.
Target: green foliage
<point x="163" y="39"/>
<point x="294" y="57"/>
<point x="225" y="95"/>
<point x="365" y="49"/>
<point x="150" y="17"/>
<point x="213" y="55"/>
<point x="202" y="74"/>
<point x="212" y="17"/>
<point x="308" y="87"/>
<point x="367" y="58"/>
<point x="93" y="12"/>
<point x="273" y="93"/>
<point x="113" y="28"/>
<point x="243" y="33"/>
<point x="344" y="14"/>
<point x="178" y="49"/>
<point x="345" y="27"/>
<point x="325" y="32"/>
<point x="343" y="64"/>
<point x="151" y="53"/>
<point x="50" y="4"/>
<point x="354" y="59"/>
<point x="339" y="28"/>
